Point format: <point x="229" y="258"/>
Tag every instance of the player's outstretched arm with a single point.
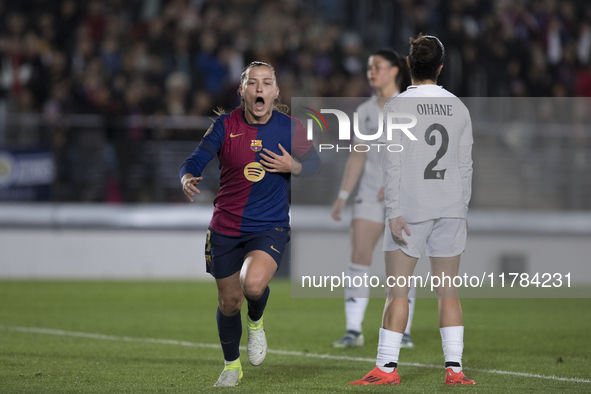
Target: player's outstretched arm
<point x="208" y="147"/>
<point x="190" y="183"/>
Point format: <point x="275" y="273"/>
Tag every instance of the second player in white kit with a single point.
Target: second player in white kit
<point x="430" y="181"/>
<point x="388" y="74"/>
<point x="427" y="189"/>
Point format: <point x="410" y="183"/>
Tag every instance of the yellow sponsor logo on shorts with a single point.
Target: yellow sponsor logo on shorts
<point x="254" y="171"/>
<point x="275" y="249"/>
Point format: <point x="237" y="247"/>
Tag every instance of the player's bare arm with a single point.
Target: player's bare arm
<point x="353" y="170"/>
<point x="337" y="207"/>
<point x="189" y="183"/>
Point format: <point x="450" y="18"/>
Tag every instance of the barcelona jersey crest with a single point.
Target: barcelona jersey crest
<point x="256" y="145"/>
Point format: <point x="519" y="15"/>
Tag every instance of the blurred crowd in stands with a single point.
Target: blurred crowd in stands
<point x="184" y="57"/>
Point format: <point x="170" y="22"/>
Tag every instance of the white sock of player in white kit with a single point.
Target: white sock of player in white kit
<point x="452" y="339"/>
<point x="388" y="350"/>
<point x="412" y="293"/>
<point x="356" y="298"/>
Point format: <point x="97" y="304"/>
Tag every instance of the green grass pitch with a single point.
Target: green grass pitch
<point x="547" y="337"/>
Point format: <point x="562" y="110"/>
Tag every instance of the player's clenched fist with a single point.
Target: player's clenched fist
<point x="396" y="226"/>
<point x="189" y="183"/>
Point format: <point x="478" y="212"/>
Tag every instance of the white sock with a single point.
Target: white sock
<point x="356" y="298"/>
<point x="452" y="339"/>
<point x="411" y="308"/>
<point x="388" y="349"/>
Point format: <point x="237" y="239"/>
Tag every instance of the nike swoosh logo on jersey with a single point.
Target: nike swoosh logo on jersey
<point x="275" y="249"/>
<point x="235" y="135"/>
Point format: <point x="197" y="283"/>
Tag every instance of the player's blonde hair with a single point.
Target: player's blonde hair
<point x="277" y="104"/>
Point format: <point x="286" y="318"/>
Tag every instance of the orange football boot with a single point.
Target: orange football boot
<point x="378" y="377"/>
<point x="452" y="378"/>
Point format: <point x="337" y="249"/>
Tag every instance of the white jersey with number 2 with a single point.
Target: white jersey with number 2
<point x="431" y="178"/>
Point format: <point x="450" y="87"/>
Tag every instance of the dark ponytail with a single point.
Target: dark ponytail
<point x="403" y="77"/>
<point x="425" y="56"/>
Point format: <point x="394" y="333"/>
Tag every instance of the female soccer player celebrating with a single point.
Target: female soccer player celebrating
<point x="388" y="74"/>
<point x="249" y="228"/>
<point x="427" y="188"/>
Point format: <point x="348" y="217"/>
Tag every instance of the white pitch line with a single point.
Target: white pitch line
<point x="50" y="331"/>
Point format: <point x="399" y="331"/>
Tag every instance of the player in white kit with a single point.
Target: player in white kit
<point x="388" y="74"/>
<point x="427" y="189"/>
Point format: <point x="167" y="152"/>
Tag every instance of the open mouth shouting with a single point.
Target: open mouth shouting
<point x="258" y="91"/>
<point x="259" y="104"/>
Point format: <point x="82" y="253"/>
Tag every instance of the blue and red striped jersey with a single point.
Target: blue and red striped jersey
<point x="251" y="199"/>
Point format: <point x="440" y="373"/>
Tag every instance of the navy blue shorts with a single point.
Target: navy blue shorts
<point x="224" y="255"/>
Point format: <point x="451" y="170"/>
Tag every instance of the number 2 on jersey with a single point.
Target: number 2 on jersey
<point x="430" y="173"/>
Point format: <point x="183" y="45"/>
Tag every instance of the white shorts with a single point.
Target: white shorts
<point x="444" y="237"/>
<point x="374" y="211"/>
